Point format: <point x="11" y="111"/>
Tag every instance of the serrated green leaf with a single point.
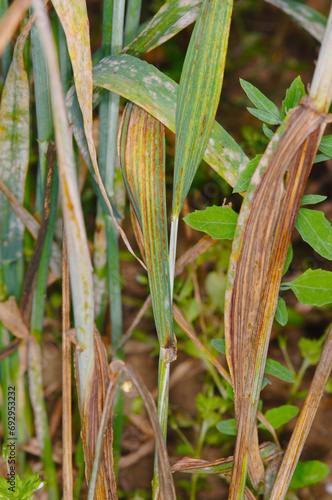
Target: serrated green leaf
<point x="316" y="230"/>
<point x="142" y="158"/>
<point x="171" y="18"/>
<point x="281" y="314"/>
<point x="278" y="370"/>
<point x="227" y="427"/>
<point x="309" y="19"/>
<point x="149" y="88"/>
<point x="293" y="96"/>
<point x="245" y="176"/>
<point x="199" y="93"/>
<point x="14" y="149"/>
<point x="261" y="101"/>
<point x="219" y="344"/>
<point x="325" y="145"/>
<point x="280" y="416"/>
<point x="218" y="222"/>
<point x="312" y="199"/>
<point x="308" y="473"/>
<point x="313" y="287"/>
<point x="310" y="349"/>
<point x="264" y="116"/>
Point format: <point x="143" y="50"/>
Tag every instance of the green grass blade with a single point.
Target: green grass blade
<point x="142" y="156"/>
<point x="309" y="19"/>
<point x="171" y="18"/>
<point x="133" y="15"/>
<point x="199" y="93"/>
<point x="148" y="87"/>
<point x="43" y="112"/>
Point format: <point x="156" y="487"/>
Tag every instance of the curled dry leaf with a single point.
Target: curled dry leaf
<point x="262" y="237"/>
<point x="10" y="316"/>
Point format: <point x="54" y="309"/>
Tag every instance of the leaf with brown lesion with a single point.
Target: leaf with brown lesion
<point x="262" y="237"/>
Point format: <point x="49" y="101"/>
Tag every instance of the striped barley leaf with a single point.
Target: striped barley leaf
<point x="14" y="149"/>
<point x="171" y="18"/>
<point x="148" y="87"/>
<point x="142" y="157"/>
<point x="199" y="93"/>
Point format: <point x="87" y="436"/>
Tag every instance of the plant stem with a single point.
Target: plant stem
<point x="163" y="393"/>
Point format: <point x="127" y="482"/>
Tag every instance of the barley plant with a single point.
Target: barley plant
<point x="99" y="150"/>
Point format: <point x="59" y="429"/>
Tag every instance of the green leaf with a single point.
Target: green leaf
<point x="316" y="230"/>
<point x="199" y="93"/>
<point x="312" y="199"/>
<point x="261" y="102"/>
<point x="281" y="314"/>
<point x="265" y="382"/>
<point x="227" y="427"/>
<point x="319" y="158"/>
<point x="278" y="370"/>
<point x="280" y="416"/>
<point x="148" y="87"/>
<point x="171" y="18"/>
<point x="218" y="222"/>
<point x="142" y="159"/>
<point x="308" y="473"/>
<point x="325" y="145"/>
<point x="264" y="116"/>
<point x="245" y="176"/>
<point x="309" y="19"/>
<point x="289" y="258"/>
<point x="310" y="350"/>
<point x="267" y="131"/>
<point x="313" y="287"/>
<point x="293" y="96"/>
<point x="219" y="344"/>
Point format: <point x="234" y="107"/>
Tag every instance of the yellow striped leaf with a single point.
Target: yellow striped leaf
<point x="142" y="158"/>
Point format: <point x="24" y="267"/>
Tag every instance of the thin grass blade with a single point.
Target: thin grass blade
<point x="171" y="18"/>
<point x="199" y="93"/>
